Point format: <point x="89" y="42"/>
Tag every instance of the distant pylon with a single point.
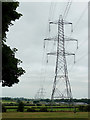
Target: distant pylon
<point x="40" y="94"/>
<point x="61" y="85"/>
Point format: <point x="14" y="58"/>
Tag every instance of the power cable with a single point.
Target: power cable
<point x="67" y="9"/>
<point x="83" y="56"/>
<point x="81" y="16"/>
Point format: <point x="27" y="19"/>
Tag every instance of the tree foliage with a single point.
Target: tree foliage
<point x="84" y="108"/>
<point x="4" y="108"/>
<point x="10" y="69"/>
<point x="32" y="109"/>
<point x="9" y="14"/>
<point x="20" y="107"/>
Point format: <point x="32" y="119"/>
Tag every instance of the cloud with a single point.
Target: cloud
<point x="27" y="36"/>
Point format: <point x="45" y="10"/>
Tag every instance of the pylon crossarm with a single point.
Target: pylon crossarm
<point x="67" y="23"/>
<point x="51" y="22"/>
<point x="71" y="54"/>
<point x="51" y="39"/>
<point x="52" y="53"/>
<point x="71" y="39"/>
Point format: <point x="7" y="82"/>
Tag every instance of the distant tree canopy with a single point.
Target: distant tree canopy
<point x="10" y="69"/>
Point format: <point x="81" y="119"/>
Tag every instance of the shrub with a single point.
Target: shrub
<point x="84" y="108"/>
<point x="39" y="104"/>
<point x="43" y="109"/>
<point x="4" y="108"/>
<point x="31" y="109"/>
<point x="87" y="108"/>
<point x="81" y="108"/>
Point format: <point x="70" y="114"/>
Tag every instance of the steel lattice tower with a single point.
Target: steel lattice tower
<point x="61" y="85"/>
<point x="61" y="73"/>
<point x="40" y="94"/>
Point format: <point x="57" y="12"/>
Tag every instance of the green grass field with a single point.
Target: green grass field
<point x="14" y="108"/>
<point x="45" y="115"/>
<point x="57" y="113"/>
<point x="8" y="101"/>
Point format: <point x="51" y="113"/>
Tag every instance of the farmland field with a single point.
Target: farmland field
<point x="59" y="112"/>
<point x="8" y="101"/>
<point x="45" y="115"/>
<point x="57" y="108"/>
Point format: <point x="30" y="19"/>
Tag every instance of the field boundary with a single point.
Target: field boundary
<point x="45" y="119"/>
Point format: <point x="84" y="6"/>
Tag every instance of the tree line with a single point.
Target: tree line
<point x="84" y="100"/>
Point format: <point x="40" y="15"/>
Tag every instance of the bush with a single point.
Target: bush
<point x="20" y="107"/>
<point x="43" y="109"/>
<point x="81" y="108"/>
<point x="87" y="108"/>
<point x="31" y="110"/>
<point x="39" y="104"/>
<point x="4" y="108"/>
<point x="0" y="107"/>
<point x="84" y="108"/>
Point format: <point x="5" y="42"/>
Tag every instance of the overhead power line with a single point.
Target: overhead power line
<point x="78" y="21"/>
<point x="81" y="16"/>
<point x="67" y="9"/>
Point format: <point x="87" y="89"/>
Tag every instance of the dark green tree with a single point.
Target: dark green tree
<point x="0" y="107"/>
<point x="4" y="108"/>
<point x="81" y="108"/>
<point x="20" y="106"/>
<point x="9" y="14"/>
<point x="10" y="70"/>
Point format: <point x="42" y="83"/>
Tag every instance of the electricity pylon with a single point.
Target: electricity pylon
<point x="61" y="85"/>
<point x="40" y="94"/>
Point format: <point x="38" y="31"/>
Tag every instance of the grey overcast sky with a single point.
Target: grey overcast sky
<point x="27" y="35"/>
